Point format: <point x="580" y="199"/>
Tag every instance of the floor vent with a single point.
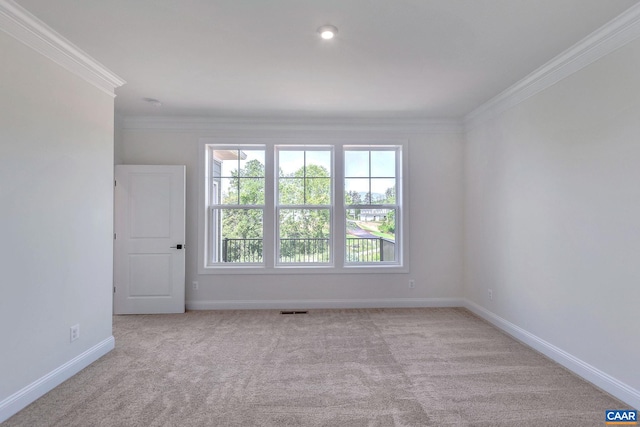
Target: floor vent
<point x="293" y="312"/>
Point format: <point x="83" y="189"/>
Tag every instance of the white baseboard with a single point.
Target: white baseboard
<point x="17" y="401"/>
<point x="595" y="376"/>
<point x="320" y="304"/>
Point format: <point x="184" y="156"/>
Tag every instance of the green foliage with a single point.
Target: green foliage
<point x="310" y="188"/>
<point x="389" y="223"/>
<point x="304" y="228"/>
<point x="390" y="195"/>
<point x="242" y="223"/>
<point x="353" y="198"/>
<point x="304" y="233"/>
<point x="246" y="187"/>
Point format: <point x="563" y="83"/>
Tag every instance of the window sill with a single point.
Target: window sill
<point x="301" y="270"/>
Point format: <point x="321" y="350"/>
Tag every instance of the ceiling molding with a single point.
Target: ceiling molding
<point x="208" y="124"/>
<point x="613" y="35"/>
<point x="22" y="25"/>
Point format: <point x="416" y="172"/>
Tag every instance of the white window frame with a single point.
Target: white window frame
<point x="338" y="209"/>
<point x="398" y="206"/>
<point x="212" y="248"/>
<point x="278" y="207"/>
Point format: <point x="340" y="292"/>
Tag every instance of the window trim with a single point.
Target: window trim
<point x="279" y="206"/>
<point x="338" y="209"/>
<point x="398" y="206"/>
<point x="211" y="207"/>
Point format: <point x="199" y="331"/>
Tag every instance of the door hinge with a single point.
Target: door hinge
<point x="114" y="289"/>
<point x="114" y="236"/>
<point x="115" y="183"/>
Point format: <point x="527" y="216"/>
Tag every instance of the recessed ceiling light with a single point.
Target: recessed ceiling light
<point x="327" y="32"/>
<point x="153" y="102"/>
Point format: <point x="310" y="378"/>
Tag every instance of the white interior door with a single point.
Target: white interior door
<point x="149" y="240"/>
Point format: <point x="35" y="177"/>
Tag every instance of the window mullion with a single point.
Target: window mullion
<point x="270" y="217"/>
<point x="304" y="177"/>
<point x="338" y="212"/>
<point x="370" y="189"/>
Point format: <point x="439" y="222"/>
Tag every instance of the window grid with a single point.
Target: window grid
<point x="236" y="228"/>
<point x="272" y="253"/>
<point x="365" y="244"/>
<point x="304" y="231"/>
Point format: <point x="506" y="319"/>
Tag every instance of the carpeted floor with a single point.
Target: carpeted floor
<point x="373" y="367"/>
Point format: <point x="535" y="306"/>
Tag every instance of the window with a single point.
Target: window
<point x="370" y="183"/>
<point x="236" y="200"/>
<point x="278" y="206"/>
<point x="304" y="205"/>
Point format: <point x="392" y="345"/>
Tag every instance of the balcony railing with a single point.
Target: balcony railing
<point x="242" y="250"/>
<point x="366" y="249"/>
<point x="304" y="250"/>
<point x="370" y="249"/>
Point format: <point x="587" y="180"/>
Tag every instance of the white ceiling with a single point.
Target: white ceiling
<point x="263" y="58"/>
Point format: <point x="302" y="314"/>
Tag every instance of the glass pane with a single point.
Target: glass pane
<point x="371" y="235"/>
<point x="383" y="164"/>
<point x="291" y="191"/>
<point x="225" y="162"/>
<point x="214" y="190"/>
<point x="383" y="190"/>
<point x="231" y="170"/>
<point x="304" y="177"/>
<point x="304" y="235"/>
<point x="251" y="191"/>
<point x="320" y="159"/>
<point x="318" y="191"/>
<point x="238" y="235"/>
<point x="356" y="191"/>
<point x="229" y="191"/>
<point x="290" y="162"/>
<point x="356" y="164"/>
<point x="252" y="163"/>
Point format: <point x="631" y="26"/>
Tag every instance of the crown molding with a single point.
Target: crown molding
<point x="613" y="35"/>
<point x="212" y="124"/>
<point x="22" y="25"/>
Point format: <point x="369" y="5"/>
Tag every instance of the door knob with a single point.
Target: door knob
<point x="177" y="247"/>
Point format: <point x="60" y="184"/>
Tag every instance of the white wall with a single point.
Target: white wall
<point x="434" y="229"/>
<point x="117" y="137"/>
<point x="56" y="184"/>
<point x="552" y="215"/>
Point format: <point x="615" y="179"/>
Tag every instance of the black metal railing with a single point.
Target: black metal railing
<point x="242" y="250"/>
<point x="370" y="249"/>
<point x="311" y="250"/>
<point x="304" y="250"/>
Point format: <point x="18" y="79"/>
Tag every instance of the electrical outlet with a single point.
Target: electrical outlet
<point x="412" y="283"/>
<point x="75" y="332"/>
<point x="490" y="294"/>
<point x="194" y="285"/>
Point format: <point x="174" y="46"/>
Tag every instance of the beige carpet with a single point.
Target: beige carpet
<point x="378" y="367"/>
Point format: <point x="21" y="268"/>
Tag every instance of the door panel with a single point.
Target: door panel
<point x="150" y="275"/>
<point x="150" y="209"/>
<point x="150" y="226"/>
